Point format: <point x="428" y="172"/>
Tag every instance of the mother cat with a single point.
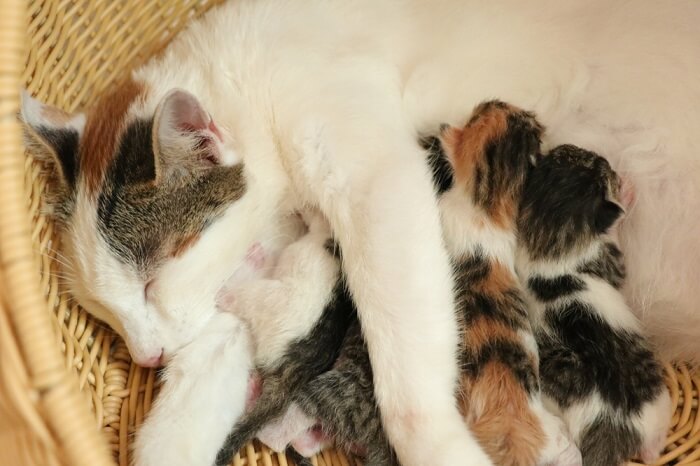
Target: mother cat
<point x="323" y="101"/>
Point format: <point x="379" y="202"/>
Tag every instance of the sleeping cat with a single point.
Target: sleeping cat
<point x="323" y="100"/>
<point x="499" y="391"/>
<point x="597" y="367"/>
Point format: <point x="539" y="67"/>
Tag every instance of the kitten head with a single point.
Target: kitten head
<point x="492" y="155"/>
<point x="570" y="199"/>
<point x="134" y="192"/>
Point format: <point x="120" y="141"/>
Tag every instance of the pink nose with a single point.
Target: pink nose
<point x="154" y="361"/>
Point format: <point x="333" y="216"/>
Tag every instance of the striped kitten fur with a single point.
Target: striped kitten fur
<point x="499" y="393"/>
<point x="597" y="367"/>
<point x="298" y="318"/>
<point x="499" y="388"/>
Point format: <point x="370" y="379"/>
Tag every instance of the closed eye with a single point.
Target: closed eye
<point x="148" y="290"/>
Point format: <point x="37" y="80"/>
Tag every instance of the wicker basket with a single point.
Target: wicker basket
<point x="69" y="393"/>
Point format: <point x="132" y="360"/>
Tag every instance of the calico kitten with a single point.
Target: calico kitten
<point x="479" y="187"/>
<point x="499" y="388"/>
<point x="597" y="366"/>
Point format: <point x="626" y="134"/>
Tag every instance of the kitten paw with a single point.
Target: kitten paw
<point x="651" y="450"/>
<point x="311" y="442"/>
<point x="571" y="456"/>
<point x="256" y="257"/>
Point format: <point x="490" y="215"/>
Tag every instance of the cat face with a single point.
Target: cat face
<point x="140" y="199"/>
<point x="572" y="197"/>
<point x="492" y="155"/>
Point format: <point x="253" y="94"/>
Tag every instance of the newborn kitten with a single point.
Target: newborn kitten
<point x="342" y="401"/>
<point x="499" y="388"/>
<point x="297" y="344"/>
<point x="499" y="393"/>
<point x="597" y="367"/>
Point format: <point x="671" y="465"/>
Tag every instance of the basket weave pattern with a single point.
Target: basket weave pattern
<point x="67" y="382"/>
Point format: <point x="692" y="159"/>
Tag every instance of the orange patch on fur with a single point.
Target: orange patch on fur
<point x="102" y="130"/>
<point x="483" y="331"/>
<point x="497" y="282"/>
<point x="466" y="149"/>
<point x="498" y="411"/>
<point x="503" y="212"/>
<point x="184" y="245"/>
<point x="488" y="126"/>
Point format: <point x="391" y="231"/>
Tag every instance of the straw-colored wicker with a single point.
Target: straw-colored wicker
<point x="69" y="393"/>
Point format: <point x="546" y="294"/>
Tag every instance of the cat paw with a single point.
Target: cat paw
<point x="570" y="456"/>
<point x="560" y="449"/>
<point x="311" y="442"/>
<point x="651" y="450"/>
<point x="256" y="257"/>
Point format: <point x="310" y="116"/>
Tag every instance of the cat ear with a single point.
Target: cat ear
<point x="627" y="193"/>
<point x="607" y="214"/>
<point x="53" y="136"/>
<point x="614" y="205"/>
<point x="449" y="139"/>
<point x="185" y="137"/>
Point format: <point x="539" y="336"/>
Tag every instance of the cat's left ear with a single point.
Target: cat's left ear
<point x="186" y="138"/>
<point x="615" y="205"/>
<point x="450" y="137"/>
<point x="607" y="214"/>
<point x="52" y="136"/>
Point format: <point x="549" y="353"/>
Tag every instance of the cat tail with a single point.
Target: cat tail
<point x="499" y="414"/>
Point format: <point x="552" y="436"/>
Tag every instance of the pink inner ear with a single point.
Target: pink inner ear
<point x="214" y="129"/>
<point x="187" y="114"/>
<point x="627" y="194"/>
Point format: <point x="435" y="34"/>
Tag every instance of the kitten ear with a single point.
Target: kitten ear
<point x="53" y="136"/>
<point x="607" y="214"/>
<point x="185" y="137"/>
<point x="450" y="137"/>
<point x="627" y="193"/>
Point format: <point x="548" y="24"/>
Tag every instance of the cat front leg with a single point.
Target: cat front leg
<point x="373" y="185"/>
<point x="203" y="395"/>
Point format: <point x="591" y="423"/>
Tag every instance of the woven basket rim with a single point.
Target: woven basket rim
<point x="51" y="381"/>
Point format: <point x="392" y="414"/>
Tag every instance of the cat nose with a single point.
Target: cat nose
<point x="153" y="361"/>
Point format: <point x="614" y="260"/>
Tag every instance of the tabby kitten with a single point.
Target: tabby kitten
<point x="597" y="367"/>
